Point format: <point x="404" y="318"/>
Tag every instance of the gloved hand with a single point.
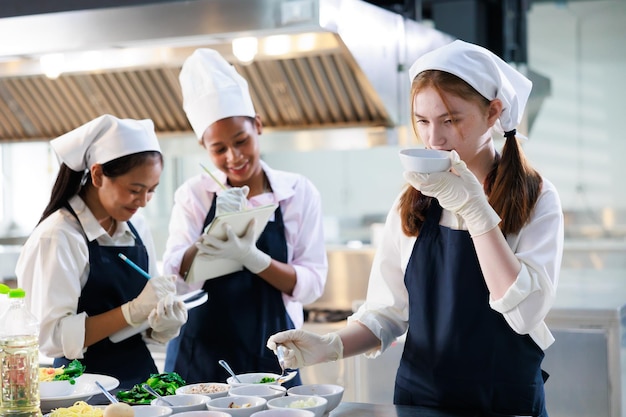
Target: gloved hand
<point x="232" y="200"/>
<point x="461" y="194"/>
<point x="167" y="318"/>
<point x="306" y="348"/>
<point x="242" y="249"/>
<point x="137" y="310"/>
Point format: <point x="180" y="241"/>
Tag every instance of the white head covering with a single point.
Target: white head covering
<point x="212" y="90"/>
<point x="483" y="70"/>
<point x="104" y="139"/>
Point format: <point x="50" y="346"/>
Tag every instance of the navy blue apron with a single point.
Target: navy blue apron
<point x="112" y="283"/>
<point x="460" y="355"/>
<point x="242" y="312"/>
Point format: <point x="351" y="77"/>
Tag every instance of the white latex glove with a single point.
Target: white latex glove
<point x="242" y="249"/>
<point x="137" y="310"/>
<point x="461" y="194"/>
<point x="306" y="348"/>
<point x="232" y="200"/>
<point x="167" y="318"/>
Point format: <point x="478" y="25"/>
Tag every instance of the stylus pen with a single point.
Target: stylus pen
<point x="134" y="265"/>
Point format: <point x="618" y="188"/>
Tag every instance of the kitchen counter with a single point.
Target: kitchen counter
<point x="348" y="409"/>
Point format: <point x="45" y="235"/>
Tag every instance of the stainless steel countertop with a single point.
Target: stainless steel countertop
<point x="348" y="409"/>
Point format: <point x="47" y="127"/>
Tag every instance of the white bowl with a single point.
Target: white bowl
<point x="266" y="391"/>
<point x="183" y="402"/>
<point x="55" y="388"/>
<point x="251" y="378"/>
<point x="332" y="393"/>
<point x="212" y="389"/>
<point x="151" y="411"/>
<point x="204" y="413"/>
<point x="283" y="412"/>
<point x="317" y="404"/>
<point x="424" y="160"/>
<point x="236" y="406"/>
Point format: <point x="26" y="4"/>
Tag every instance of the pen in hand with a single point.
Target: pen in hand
<point x="133" y="265"/>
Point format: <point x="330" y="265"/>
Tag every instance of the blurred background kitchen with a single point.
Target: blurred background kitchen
<point x="329" y="79"/>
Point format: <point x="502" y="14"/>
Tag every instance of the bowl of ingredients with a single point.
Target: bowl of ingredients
<point x="183" y="402"/>
<point x="258" y="390"/>
<point x="151" y="410"/>
<point x="212" y="389"/>
<point x="283" y="412"/>
<point x="163" y="384"/>
<point x="314" y="403"/>
<point x="424" y="160"/>
<point x="240" y="406"/>
<point x="253" y="378"/>
<point x="333" y="393"/>
<point x="59" y="382"/>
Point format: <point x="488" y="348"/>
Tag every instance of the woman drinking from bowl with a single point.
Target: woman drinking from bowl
<point x="469" y="259"/>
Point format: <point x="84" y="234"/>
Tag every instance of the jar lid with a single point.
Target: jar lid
<point x="17" y="293"/>
<point x="4" y="289"/>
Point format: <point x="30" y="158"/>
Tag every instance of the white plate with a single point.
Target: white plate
<point x="85" y="389"/>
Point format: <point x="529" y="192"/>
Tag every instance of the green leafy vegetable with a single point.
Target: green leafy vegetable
<point x="164" y="384"/>
<point x="70" y="372"/>
<point x="267" y="379"/>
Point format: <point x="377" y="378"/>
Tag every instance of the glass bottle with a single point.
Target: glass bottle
<point x="19" y="359"/>
<point x="4" y="298"/>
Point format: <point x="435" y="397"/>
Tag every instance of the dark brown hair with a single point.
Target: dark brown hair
<point x="512" y="185"/>
<point x="69" y="182"/>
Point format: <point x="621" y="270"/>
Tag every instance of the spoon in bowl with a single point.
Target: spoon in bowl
<point x="156" y="394"/>
<point x="106" y="393"/>
<point x="224" y="365"/>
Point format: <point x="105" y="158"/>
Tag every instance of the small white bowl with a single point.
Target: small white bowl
<point x="252" y="378"/>
<point x="151" y="411"/>
<point x="212" y="389"/>
<point x="333" y="393"/>
<point x="283" y="412"/>
<point x="240" y="406"/>
<point x="56" y="388"/>
<point x="204" y="413"/>
<point x="424" y="160"/>
<point x="183" y="402"/>
<point x="266" y="391"/>
<point x="317" y="404"/>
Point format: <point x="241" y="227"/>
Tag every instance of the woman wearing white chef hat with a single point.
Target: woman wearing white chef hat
<point x="75" y="281"/>
<point x="284" y="269"/>
<point x="469" y="259"/>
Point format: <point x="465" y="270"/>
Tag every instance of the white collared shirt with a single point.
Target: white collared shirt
<point x="53" y="268"/>
<point x="300" y="204"/>
<point x="538" y="246"/>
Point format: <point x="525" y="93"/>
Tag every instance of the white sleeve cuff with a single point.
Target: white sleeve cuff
<point x="523" y="286"/>
<point x="73" y="336"/>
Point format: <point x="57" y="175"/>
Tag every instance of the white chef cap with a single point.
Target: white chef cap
<point x="212" y="90"/>
<point x="485" y="72"/>
<point x="104" y="139"/>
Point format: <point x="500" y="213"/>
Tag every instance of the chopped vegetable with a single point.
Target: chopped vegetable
<point x="267" y="379"/>
<point x="164" y="384"/>
<point x="65" y="373"/>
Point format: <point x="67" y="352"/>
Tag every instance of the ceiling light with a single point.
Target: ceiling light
<point x="245" y="49"/>
<point x="52" y="65"/>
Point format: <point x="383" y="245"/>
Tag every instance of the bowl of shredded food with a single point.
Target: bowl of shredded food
<point x="253" y="378"/>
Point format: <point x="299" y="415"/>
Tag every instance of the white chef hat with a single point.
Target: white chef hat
<point x="104" y="139"/>
<point x="485" y="72"/>
<point x="212" y="90"/>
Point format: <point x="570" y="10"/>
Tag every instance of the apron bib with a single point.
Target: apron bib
<point x="460" y="355"/>
<point x="111" y="283"/>
<point x="234" y="324"/>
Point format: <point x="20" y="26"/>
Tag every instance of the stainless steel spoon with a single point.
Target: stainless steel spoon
<point x="156" y="394"/>
<point x="224" y="365"/>
<point x="107" y="393"/>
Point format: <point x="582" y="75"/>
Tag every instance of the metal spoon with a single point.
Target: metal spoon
<point x="156" y="394"/>
<point x="106" y="393"/>
<point x="224" y="365"/>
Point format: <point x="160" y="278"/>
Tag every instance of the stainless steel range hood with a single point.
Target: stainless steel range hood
<point x="344" y="65"/>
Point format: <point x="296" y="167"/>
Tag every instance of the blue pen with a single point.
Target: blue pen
<point x="134" y="265"/>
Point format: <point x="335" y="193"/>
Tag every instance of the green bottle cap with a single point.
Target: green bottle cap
<point x="17" y="293"/>
<point x="4" y="289"/>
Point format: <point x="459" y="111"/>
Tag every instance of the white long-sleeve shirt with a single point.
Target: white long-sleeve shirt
<point x="300" y="204"/>
<point x="538" y="246"/>
<point x="53" y="268"/>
